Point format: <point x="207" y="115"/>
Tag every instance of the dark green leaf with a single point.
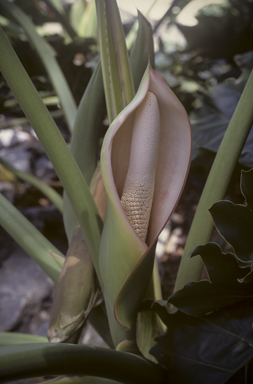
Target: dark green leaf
<point x="247" y="187"/>
<point x="222" y="267"/>
<point x="224" y="288"/>
<point x="54" y="359"/>
<point x="235" y="225"/>
<point x="216" y="31"/>
<point x="209" y="349"/>
<point x="210" y="121"/>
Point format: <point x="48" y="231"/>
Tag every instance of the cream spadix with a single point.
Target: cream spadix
<point x="137" y="196"/>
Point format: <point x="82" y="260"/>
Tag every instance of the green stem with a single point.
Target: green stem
<point x="54" y="145"/>
<point x="216" y="185"/>
<point x="47" y="57"/>
<point x="33" y="360"/>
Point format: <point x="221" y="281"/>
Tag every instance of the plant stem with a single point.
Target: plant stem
<point x="33" y="360"/>
<point x="216" y="184"/>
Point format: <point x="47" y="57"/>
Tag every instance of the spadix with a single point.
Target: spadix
<point x="139" y="185"/>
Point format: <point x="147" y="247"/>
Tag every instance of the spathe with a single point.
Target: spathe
<point x="122" y="251"/>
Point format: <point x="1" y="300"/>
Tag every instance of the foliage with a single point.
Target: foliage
<point x="109" y="270"/>
<point x="210" y="120"/>
<point x="221" y="30"/>
<point x="209" y="72"/>
<point x="228" y="311"/>
<point x="214" y="347"/>
<point x="230" y="273"/>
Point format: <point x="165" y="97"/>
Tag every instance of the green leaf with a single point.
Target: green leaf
<point x="99" y="321"/>
<point x="81" y="380"/>
<point x="118" y="82"/>
<point x="54" y="145"/>
<point x="85" y="138"/>
<point x="142" y="52"/>
<point x="131" y="36"/>
<point x="128" y="298"/>
<point x="11" y="26"/>
<point x="213" y="23"/>
<point x="210" y="121"/>
<point x="234" y="223"/>
<point x="48" y="191"/>
<point x="60" y="16"/>
<point x="224" y="288"/>
<point x="84" y="146"/>
<point x="9" y="338"/>
<point x="247" y="187"/>
<point x="83" y="18"/>
<point x="33" y="360"/>
<point x="47" y="57"/>
<point x="222" y="268"/>
<point x="209" y="349"/>
<point x="49" y="258"/>
<point x="216" y="184"/>
<point x="149" y="326"/>
<point x="57" y="4"/>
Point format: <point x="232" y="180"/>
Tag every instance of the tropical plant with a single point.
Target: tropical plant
<point x="227" y="313"/>
<point x="114" y="209"/>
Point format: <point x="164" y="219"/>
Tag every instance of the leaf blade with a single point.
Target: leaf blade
<point x="118" y="82"/>
<point x="234" y="223"/>
<point x="30" y="239"/>
<point x="85" y="138"/>
<point x="48" y="191"/>
<point x="212" y="347"/>
<point x="54" y="145"/>
<point x="47" y="57"/>
<point x="224" y="289"/>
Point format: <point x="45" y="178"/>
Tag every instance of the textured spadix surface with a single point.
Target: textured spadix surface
<point x="137" y="196"/>
<point x="123" y="254"/>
